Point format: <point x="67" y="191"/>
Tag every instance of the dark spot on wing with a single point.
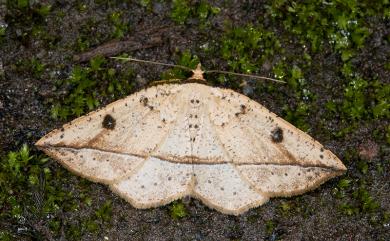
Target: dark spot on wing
<point x="109" y="122"/>
<point x="242" y="110"/>
<point x="277" y="135"/>
<point x="144" y="101"/>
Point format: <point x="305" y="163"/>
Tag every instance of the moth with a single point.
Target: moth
<point x="174" y="140"/>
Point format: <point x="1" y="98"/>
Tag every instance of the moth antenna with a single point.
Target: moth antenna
<point x="192" y="70"/>
<point x="245" y="75"/>
<point x="152" y="62"/>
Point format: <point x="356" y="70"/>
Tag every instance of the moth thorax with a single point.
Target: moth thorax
<point x="197" y="74"/>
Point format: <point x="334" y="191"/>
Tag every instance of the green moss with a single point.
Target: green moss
<point x="180" y="11"/>
<point x="26" y="10"/>
<point x="253" y="218"/>
<point x="342" y="24"/>
<point x="88" y="35"/>
<point x="367" y="202"/>
<point x="183" y="10"/>
<point x="18" y="168"/>
<point x="178" y="210"/>
<point x="297" y="115"/>
<point x="28" y="184"/>
<point x="387" y="66"/>
<point x="145" y="3"/>
<point x="104" y="213"/>
<point x="82" y="7"/>
<point x="354" y="102"/>
<point x="246" y="48"/>
<point x="91" y="226"/>
<point x="185" y="59"/>
<point x="286" y="207"/>
<point x="386" y="218"/>
<point x="388" y="134"/>
<point x="344" y="183"/>
<point x="87" y="85"/>
<point x="270" y="226"/>
<point x="119" y="24"/>
<point x="32" y="67"/>
<point x="31" y="193"/>
<point x="355" y="197"/>
<point x="73" y="231"/>
<point x="363" y="99"/>
<point x="3" y="29"/>
<point x="294" y="76"/>
<point x="6" y="236"/>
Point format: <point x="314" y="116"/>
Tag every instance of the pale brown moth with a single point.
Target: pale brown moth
<point x="174" y="140"/>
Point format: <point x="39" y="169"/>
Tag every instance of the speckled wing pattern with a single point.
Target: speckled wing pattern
<point x="169" y="141"/>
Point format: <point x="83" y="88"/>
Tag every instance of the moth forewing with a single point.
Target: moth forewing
<point x="174" y="140"/>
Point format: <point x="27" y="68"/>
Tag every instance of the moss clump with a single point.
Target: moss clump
<point x="33" y="200"/>
<point x="270" y="226"/>
<point x="87" y="86"/>
<point x="19" y="169"/>
<point x="183" y="10"/>
<point x="355" y="196"/>
<point x="185" y="59"/>
<point x="119" y="25"/>
<point x="3" y="29"/>
<point x="104" y="212"/>
<point x="359" y="202"/>
<point x="364" y="99"/>
<point x="27" y="16"/>
<point x="246" y="48"/>
<point x="33" y="66"/>
<point x="29" y="193"/>
<point x="177" y="210"/>
<point x="341" y="24"/>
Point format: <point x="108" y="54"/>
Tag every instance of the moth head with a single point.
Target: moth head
<point x="197" y="74"/>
